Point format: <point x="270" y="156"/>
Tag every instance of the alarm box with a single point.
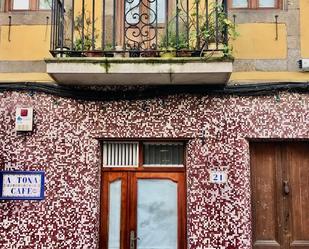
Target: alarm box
<point x="24" y="119"/>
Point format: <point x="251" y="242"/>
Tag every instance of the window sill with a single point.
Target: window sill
<point x="255" y="9"/>
<point x="23" y="12"/>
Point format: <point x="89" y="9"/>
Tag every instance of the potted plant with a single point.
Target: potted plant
<point x="108" y="50"/>
<point x="134" y="49"/>
<point x="216" y="29"/>
<point x="151" y="52"/>
<point x="83" y="41"/>
<point x="172" y="44"/>
<point x="206" y="31"/>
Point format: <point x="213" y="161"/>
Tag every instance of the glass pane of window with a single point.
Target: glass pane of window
<point x="45" y="4"/>
<point x="114" y="215"/>
<point x="116" y="154"/>
<point x="21" y="4"/>
<point x="240" y="3"/>
<point x="1" y="5"/>
<point x="158" y="7"/>
<point x="156" y="214"/>
<point x="170" y="154"/>
<point x="267" y="3"/>
<point x="132" y="11"/>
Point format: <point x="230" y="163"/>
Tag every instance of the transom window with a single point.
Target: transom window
<point x="16" y="5"/>
<point x="158" y="154"/>
<point x="255" y="4"/>
<point x="142" y="154"/>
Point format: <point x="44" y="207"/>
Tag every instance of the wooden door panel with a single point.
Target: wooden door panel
<point x="177" y="178"/>
<point x="298" y="162"/>
<point x="280" y="195"/>
<point x="107" y="180"/>
<point x="266" y="203"/>
<point x="128" y="210"/>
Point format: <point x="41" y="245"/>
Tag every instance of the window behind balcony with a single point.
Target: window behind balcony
<point x="255" y="4"/>
<point x="25" y="5"/>
<point x="21" y="4"/>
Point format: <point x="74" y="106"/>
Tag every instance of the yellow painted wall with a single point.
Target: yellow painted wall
<point x="27" y="42"/>
<point x="304" y="28"/>
<point x="254" y="76"/>
<point x="25" y="77"/>
<point x="257" y="41"/>
<point x="88" y="15"/>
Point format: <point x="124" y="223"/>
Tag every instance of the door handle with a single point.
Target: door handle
<point x="286" y="188"/>
<point x="133" y="239"/>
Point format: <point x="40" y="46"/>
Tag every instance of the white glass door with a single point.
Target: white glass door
<point x="156" y="214"/>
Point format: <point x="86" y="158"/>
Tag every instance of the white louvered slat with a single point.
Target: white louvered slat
<point x="104" y="154"/>
<point x="130" y="154"/>
<point x="120" y="154"/>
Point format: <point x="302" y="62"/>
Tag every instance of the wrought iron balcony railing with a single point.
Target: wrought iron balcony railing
<point x="138" y="27"/>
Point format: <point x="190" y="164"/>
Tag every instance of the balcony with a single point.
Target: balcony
<point x="102" y="42"/>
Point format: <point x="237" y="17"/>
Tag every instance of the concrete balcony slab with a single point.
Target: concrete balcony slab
<point x="139" y="71"/>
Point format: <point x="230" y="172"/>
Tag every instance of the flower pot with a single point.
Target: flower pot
<point x="108" y="54"/>
<point x="150" y="53"/>
<point x="94" y="53"/>
<point x="75" y="54"/>
<point x="197" y="53"/>
<point x="134" y="53"/>
<point x="62" y="52"/>
<point x="183" y="53"/>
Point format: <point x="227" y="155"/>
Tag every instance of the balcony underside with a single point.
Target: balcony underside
<point x="138" y="71"/>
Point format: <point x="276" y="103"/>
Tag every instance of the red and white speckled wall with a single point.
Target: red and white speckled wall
<point x="64" y="144"/>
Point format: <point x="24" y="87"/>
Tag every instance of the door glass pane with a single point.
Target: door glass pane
<point x="21" y="4"/>
<point x="266" y="3"/>
<point x="156" y="214"/>
<point x="240" y="4"/>
<point x="114" y="215"/>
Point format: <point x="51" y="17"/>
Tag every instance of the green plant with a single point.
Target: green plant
<point x="171" y="41"/>
<point x="218" y="24"/>
<point x="206" y="29"/>
<point x="83" y="29"/>
<point x="108" y="46"/>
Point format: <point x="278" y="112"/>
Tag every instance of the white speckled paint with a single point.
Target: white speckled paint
<point x="64" y="144"/>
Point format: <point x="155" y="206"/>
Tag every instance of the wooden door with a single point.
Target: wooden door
<point x="297" y="158"/>
<point x="143" y="210"/>
<point x="280" y="195"/>
<point x="140" y="24"/>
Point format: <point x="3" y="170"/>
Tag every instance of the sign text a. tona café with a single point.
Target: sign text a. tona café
<point x="21" y="185"/>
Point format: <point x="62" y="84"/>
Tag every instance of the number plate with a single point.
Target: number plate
<point x="218" y="177"/>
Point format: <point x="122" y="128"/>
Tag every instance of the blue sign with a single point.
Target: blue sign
<point x="22" y="185"/>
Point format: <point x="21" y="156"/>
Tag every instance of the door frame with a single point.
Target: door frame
<point x="125" y="172"/>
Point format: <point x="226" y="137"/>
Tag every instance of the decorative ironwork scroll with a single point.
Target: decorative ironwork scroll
<point x="141" y="23"/>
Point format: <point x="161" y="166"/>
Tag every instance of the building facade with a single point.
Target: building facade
<point x="156" y="152"/>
